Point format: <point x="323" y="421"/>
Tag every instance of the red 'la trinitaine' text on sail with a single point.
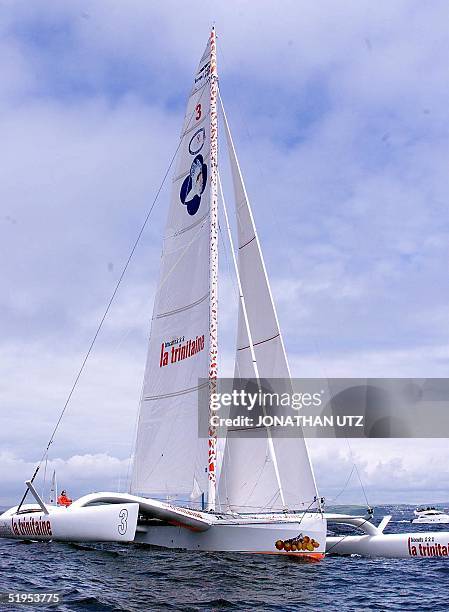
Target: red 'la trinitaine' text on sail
<point x="178" y="353"/>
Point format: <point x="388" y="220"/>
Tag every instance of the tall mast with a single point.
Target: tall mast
<point x="213" y="259"/>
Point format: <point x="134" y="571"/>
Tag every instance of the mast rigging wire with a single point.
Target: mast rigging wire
<point x="358" y="473"/>
<point x="344" y="537"/>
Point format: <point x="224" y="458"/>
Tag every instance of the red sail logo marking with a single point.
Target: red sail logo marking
<point x="171" y="353"/>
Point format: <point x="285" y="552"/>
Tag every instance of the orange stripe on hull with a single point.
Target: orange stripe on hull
<point x="177" y="524"/>
<point x="316" y="556"/>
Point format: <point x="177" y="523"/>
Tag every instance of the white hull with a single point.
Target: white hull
<point x="398" y="545"/>
<point x="305" y="537"/>
<point x="431" y="519"/>
<point x="374" y="543"/>
<point x="108" y="523"/>
<point x="168" y="526"/>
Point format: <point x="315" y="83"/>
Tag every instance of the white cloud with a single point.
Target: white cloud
<point x="391" y="471"/>
<point x="102" y="413"/>
<point x="418" y="362"/>
<point x="78" y="474"/>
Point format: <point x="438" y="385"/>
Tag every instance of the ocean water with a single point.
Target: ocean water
<point x="113" y="577"/>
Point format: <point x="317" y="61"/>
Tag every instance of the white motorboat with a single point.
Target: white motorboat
<point x="430" y="515"/>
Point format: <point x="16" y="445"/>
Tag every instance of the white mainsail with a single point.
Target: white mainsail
<point x="251" y="477"/>
<point x="170" y="460"/>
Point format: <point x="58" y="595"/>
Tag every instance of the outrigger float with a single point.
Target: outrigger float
<point x="257" y="494"/>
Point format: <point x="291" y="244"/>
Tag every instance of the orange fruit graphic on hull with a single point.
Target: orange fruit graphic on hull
<point x="300" y="543"/>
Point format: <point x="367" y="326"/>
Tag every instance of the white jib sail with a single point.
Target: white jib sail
<point x="248" y="480"/>
<point x="170" y="460"/>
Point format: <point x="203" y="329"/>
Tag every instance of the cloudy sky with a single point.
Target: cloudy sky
<point x="340" y="116"/>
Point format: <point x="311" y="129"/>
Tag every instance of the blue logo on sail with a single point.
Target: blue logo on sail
<point x="197" y="141"/>
<point x="194" y="185"/>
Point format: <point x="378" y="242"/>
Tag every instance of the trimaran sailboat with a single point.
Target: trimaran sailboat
<point x="259" y="494"/>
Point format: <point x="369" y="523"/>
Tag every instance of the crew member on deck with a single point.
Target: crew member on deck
<point x="63" y="499"/>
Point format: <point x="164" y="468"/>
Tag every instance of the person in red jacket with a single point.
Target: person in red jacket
<point x="63" y="500"/>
